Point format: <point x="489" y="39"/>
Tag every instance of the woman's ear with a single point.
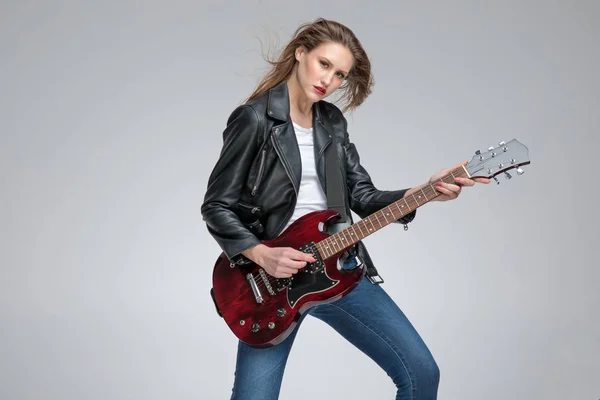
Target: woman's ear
<point x="300" y="51"/>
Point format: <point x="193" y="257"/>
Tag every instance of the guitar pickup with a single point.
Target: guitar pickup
<point x="317" y="266"/>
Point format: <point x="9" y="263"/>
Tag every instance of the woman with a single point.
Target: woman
<point x="271" y="171"/>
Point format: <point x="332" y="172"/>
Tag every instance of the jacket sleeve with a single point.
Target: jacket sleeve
<point x="225" y="184"/>
<point x="364" y="197"/>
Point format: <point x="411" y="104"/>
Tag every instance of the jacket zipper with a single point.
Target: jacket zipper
<point x="289" y="214"/>
<point x="260" y="171"/>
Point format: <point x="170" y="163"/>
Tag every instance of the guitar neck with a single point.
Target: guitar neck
<point x="352" y="234"/>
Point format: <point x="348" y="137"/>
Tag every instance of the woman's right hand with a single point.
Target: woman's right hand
<point x="280" y="262"/>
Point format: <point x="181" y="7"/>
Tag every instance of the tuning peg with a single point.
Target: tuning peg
<point x="508" y="176"/>
<point x="490" y="148"/>
<point x="497" y="181"/>
<point x="477" y="152"/>
<point x="520" y="171"/>
<point x="502" y="143"/>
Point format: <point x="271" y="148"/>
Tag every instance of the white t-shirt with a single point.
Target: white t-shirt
<point x="310" y="194"/>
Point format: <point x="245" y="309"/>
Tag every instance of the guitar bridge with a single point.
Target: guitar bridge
<point x="266" y="281"/>
<point x="318" y="265"/>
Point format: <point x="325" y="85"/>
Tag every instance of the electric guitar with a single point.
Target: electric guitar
<point x="262" y="310"/>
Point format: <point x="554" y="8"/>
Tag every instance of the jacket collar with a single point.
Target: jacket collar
<point x="278" y="106"/>
<point x="278" y="103"/>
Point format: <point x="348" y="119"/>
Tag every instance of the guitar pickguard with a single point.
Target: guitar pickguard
<point x="305" y="283"/>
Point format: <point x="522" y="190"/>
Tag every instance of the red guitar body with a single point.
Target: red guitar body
<point x="262" y="310"/>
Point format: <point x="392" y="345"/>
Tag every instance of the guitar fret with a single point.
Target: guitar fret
<point x="435" y="192"/>
<point x="352" y="226"/>
<point x="360" y="223"/>
<point x="322" y="250"/>
<point x="392" y="212"/>
<point x="328" y="247"/>
<point x="377" y="218"/>
<point x="424" y="195"/>
<point x="386" y="220"/>
<point x="332" y="246"/>
<point x="338" y="241"/>
<point x="363" y="228"/>
<point x="344" y="238"/>
<point x="369" y="219"/>
<point x="335" y="243"/>
<point x="399" y="209"/>
<point x="349" y="235"/>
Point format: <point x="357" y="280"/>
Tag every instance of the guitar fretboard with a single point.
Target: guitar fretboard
<point x="354" y="233"/>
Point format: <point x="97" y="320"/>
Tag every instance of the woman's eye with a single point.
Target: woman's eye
<point x="323" y="63"/>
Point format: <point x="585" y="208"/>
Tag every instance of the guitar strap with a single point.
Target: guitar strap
<point x="335" y="193"/>
<point x="335" y="188"/>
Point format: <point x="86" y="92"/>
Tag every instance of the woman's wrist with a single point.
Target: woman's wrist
<point x="255" y="253"/>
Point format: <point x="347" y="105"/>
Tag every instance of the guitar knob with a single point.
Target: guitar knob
<point x="255" y="327"/>
<point x="520" y="171"/>
<point x="281" y="312"/>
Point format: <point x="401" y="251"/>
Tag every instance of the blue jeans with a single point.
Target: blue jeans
<point x="370" y="320"/>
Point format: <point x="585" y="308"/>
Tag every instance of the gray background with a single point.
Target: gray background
<point x="111" y="117"/>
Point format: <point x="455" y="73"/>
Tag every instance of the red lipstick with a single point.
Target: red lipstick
<point x="320" y="90"/>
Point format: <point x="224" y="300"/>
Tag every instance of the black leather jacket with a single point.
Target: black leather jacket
<point x="252" y="190"/>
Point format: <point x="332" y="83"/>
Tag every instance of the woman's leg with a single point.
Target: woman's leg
<point x="259" y="372"/>
<point x="371" y="320"/>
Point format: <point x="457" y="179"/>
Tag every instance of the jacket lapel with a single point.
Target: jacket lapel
<point x="322" y="132"/>
<point x="278" y="108"/>
<point x="282" y="132"/>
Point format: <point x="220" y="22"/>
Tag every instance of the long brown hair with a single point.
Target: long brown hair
<point x="358" y="84"/>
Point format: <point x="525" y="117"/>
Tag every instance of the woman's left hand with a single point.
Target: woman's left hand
<point x="450" y="191"/>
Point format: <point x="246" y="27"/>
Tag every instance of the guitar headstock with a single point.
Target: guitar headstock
<point x="497" y="160"/>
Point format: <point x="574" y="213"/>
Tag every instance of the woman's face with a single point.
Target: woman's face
<point x="321" y="71"/>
